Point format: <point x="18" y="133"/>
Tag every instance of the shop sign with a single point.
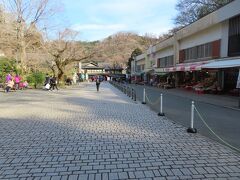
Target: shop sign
<point x="238" y="81"/>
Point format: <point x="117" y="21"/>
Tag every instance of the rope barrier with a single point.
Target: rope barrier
<point x="131" y="92"/>
<point x="152" y="103"/>
<point x="204" y="122"/>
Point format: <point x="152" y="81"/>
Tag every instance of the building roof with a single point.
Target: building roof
<point x="91" y="65"/>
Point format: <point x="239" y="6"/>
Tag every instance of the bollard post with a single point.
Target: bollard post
<point x="132" y="93"/>
<point x="135" y="96"/>
<point x="191" y="129"/>
<point x="239" y="95"/>
<point x="161" y="106"/>
<point x="128" y="92"/>
<point x="144" y="96"/>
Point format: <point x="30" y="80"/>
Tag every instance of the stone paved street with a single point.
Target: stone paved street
<point x="78" y="133"/>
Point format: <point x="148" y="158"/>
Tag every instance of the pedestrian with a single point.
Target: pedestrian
<point x="97" y="83"/>
<point x="25" y="84"/>
<point x="8" y="77"/>
<point x="17" y="80"/>
<point x="151" y="82"/>
<point x="173" y="80"/>
<point x="53" y="83"/>
<point x="10" y="85"/>
<point x="47" y="80"/>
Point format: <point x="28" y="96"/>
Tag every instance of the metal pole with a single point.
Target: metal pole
<point x="192" y="114"/>
<point x="132" y="94"/>
<point x="191" y="129"/>
<point x="144" y="96"/>
<point x="135" y="96"/>
<point x="161" y="106"/>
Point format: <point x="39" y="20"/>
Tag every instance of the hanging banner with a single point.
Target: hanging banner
<point x="238" y="81"/>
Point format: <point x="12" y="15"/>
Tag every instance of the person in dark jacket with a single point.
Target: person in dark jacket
<point x="97" y="83"/>
<point x="53" y="83"/>
<point x="47" y="80"/>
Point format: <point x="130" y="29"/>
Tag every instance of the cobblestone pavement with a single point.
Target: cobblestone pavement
<point x="79" y="133"/>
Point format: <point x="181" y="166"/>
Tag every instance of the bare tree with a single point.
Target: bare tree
<point x="27" y="17"/>
<point x="192" y="10"/>
<point x="65" y="50"/>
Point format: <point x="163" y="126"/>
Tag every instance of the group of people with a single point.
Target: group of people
<point x="14" y="82"/>
<point x="50" y="83"/>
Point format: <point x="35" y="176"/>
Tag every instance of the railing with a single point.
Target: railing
<point x="206" y="118"/>
<point x="129" y="91"/>
<point x="181" y="112"/>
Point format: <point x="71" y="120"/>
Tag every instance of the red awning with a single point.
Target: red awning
<point x="186" y="67"/>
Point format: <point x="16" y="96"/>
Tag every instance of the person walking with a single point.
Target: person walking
<point x="53" y="83"/>
<point x="47" y="82"/>
<point x="97" y="83"/>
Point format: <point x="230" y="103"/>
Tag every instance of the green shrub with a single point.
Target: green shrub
<point x="36" y="79"/>
<point x="6" y="66"/>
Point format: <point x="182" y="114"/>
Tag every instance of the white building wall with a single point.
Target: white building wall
<point x="224" y="39"/>
<point x="164" y="44"/>
<point x="211" y="34"/>
<point x="133" y="68"/>
<point x="140" y="57"/>
<point x="140" y="62"/>
<point x="176" y="49"/>
<point x="169" y="51"/>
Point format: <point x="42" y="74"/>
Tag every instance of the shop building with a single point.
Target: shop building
<point x="164" y="59"/>
<point x="88" y="70"/>
<point x="137" y="69"/>
<point x="188" y="55"/>
<point x="212" y="39"/>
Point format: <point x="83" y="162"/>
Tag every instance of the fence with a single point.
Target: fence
<point x="218" y="123"/>
<point x="215" y="122"/>
<point x="126" y="89"/>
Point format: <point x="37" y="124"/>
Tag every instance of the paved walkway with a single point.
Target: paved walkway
<point x="79" y="133"/>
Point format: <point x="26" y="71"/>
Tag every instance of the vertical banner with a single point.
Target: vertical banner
<point x="238" y="81"/>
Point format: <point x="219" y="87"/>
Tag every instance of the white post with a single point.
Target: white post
<point x="192" y="114"/>
<point x="161" y="106"/>
<point x="144" y="96"/>
<point x="191" y="129"/>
